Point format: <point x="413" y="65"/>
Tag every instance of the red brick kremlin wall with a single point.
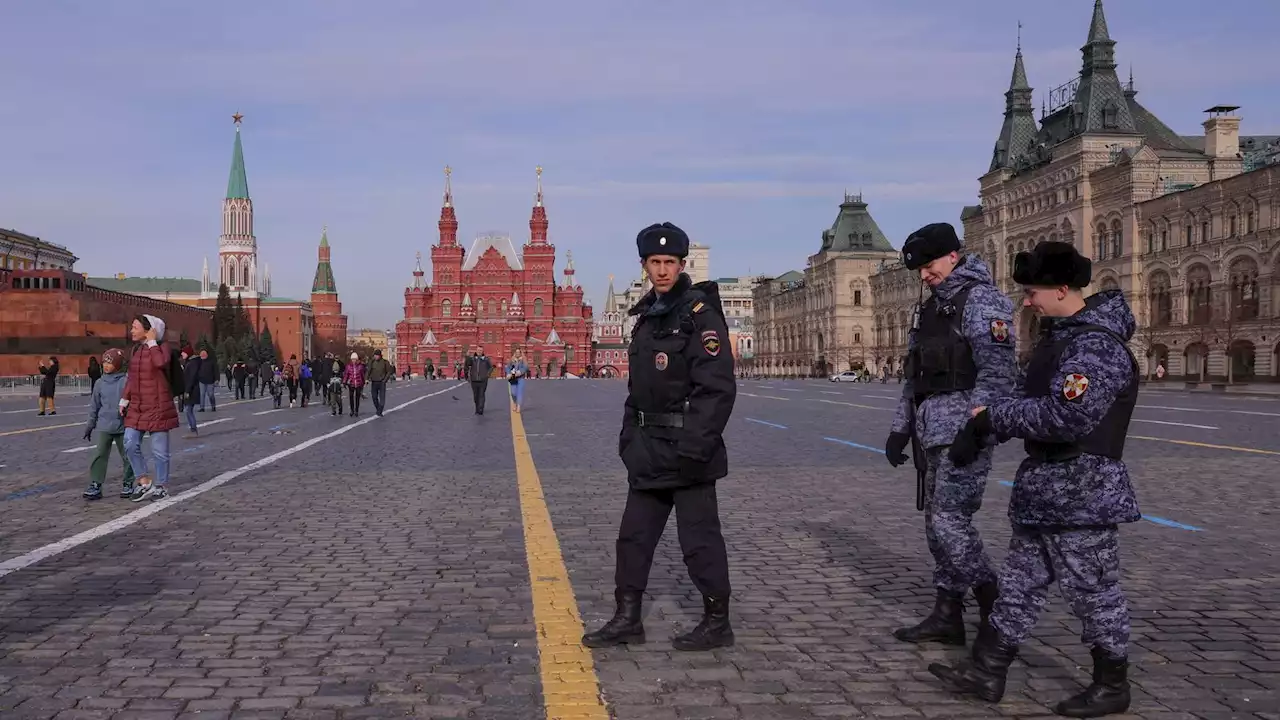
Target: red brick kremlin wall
<point x="53" y="312"/>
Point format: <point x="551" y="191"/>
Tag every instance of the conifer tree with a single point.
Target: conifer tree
<point x="243" y="328"/>
<point x="224" y="315"/>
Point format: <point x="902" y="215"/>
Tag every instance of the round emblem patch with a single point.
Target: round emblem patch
<point x="660" y="361"/>
<point x="1074" y="385"/>
<point x="662" y="241"/>
<point x="999" y="330"/>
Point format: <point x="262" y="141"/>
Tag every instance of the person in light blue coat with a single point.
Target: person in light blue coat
<point x="517" y="371"/>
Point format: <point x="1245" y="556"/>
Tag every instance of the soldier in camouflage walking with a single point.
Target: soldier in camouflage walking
<point x="1071" y="491"/>
<point x="960" y="355"/>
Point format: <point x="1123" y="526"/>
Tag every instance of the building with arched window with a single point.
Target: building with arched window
<point x="1101" y="171"/>
<point x="493" y="298"/>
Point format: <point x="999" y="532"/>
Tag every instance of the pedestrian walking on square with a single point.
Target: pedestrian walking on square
<point x="304" y="381"/>
<point x="379" y="373"/>
<point x="353" y="378"/>
<point x="1072" y="491"/>
<point x="105" y="419"/>
<point x="94" y="372"/>
<point x="291" y="378"/>
<point x="48" y="385"/>
<point x="960" y="354"/>
<point x="191" y="383"/>
<point x="251" y="377"/>
<point x="208" y="380"/>
<point x="147" y="405"/>
<point x="680" y="397"/>
<point x="517" y="370"/>
<point x="238" y="375"/>
<point x="478" y="368"/>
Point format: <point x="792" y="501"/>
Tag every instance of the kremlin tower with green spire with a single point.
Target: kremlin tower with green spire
<point x="330" y="323"/>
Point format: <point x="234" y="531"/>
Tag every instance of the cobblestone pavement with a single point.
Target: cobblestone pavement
<point x="382" y="571"/>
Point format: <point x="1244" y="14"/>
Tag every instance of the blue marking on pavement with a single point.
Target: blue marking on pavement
<point x="1149" y="518"/>
<point x="854" y="444"/>
<point x="194" y="448"/>
<point x="764" y="422"/>
<point x="27" y="492"/>
<point x="1171" y="523"/>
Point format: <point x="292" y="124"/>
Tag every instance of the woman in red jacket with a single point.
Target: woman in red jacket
<point x="147" y="406"/>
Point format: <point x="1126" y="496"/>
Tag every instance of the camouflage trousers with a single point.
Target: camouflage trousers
<point x="952" y="496"/>
<point x="1086" y="564"/>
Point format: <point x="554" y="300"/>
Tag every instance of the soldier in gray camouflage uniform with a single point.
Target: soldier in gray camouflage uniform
<point x="1072" y="490"/>
<point x="961" y="354"/>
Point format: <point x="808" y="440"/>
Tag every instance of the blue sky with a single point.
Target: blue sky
<point x="742" y="121"/>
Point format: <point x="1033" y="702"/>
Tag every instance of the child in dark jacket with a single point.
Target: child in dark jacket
<point x="105" y="417"/>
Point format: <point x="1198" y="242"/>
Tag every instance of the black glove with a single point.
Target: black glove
<point x="894" y="446"/>
<point x="970" y="440"/>
<point x="88" y="433"/>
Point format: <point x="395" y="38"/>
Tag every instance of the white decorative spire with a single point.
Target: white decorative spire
<point x="554" y="338"/>
<point x="204" y="276"/>
<point x="568" y="269"/>
<point x="466" y="300"/>
<point x="537" y="200"/>
<point x="430" y="339"/>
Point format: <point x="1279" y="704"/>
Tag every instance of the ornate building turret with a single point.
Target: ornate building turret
<point x="237" y="246"/>
<point x="1018" y="133"/>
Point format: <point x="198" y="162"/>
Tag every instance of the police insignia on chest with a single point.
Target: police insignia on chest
<point x="1074" y="385"/>
<point x="711" y="342"/>
<point x="660" y="361"/>
<point x="999" y="330"/>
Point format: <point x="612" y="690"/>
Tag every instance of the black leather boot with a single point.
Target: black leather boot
<point x="945" y="624"/>
<point x="986" y="595"/>
<point x="625" y="627"/>
<point x="714" y="631"/>
<point x="984" y="675"/>
<point x="1108" y="694"/>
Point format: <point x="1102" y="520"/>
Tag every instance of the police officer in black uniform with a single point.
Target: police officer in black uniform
<point x="680" y="395"/>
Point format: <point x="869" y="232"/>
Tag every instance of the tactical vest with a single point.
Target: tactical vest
<point x="941" y="358"/>
<point x="1107" y="439"/>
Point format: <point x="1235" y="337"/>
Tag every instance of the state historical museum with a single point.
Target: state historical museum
<point x="492" y="298"/>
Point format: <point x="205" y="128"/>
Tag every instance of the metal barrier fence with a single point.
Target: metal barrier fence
<point x="29" y="385"/>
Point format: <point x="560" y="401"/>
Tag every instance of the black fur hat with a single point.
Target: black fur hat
<point x="663" y="239"/>
<point x="928" y="244"/>
<point x="1052" y="264"/>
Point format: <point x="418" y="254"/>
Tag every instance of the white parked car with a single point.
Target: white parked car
<point x="847" y="376"/>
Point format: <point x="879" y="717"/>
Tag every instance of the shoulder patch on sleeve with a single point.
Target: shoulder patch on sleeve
<point x="711" y="342"/>
<point x="999" y="331"/>
<point x="699" y="306"/>
<point x="1074" y="386"/>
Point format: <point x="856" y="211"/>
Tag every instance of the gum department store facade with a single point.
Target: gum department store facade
<point x="1186" y="226"/>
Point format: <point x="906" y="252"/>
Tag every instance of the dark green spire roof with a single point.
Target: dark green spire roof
<point x="238" y="184"/>
<point x="324" y="282"/>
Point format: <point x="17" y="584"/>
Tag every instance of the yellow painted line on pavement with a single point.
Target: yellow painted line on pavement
<point x="1192" y="443"/>
<point x="38" y="429"/>
<point x="570" y="688"/>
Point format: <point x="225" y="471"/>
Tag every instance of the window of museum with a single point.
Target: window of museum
<point x="537" y="307"/>
<point x="1233" y="228"/>
<point x="857" y="297"/>
<point x="1117" y="239"/>
<point x="1164" y="239"/>
<point x="1187" y="240"/>
<point x="857" y="338"/>
<point x="1248" y="222"/>
<point x="446" y="308"/>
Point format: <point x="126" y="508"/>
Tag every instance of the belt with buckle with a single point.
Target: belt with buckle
<point x="670" y="420"/>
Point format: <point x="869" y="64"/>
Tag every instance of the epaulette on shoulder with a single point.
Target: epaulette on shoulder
<point x="699" y="306"/>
